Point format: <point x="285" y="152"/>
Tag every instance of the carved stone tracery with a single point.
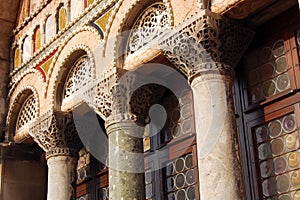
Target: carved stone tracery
<point x="28" y="112"/>
<point x="81" y="74"/>
<point x="56" y="133"/>
<point x="148" y="26"/>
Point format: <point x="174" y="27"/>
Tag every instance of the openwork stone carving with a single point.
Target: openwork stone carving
<point x="206" y="42"/>
<point x="80" y="75"/>
<point x="28" y="112"/>
<point x="119" y="96"/>
<point x="148" y="26"/>
<point x="56" y="133"/>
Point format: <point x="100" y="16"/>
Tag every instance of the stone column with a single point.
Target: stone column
<point x="126" y="160"/>
<point x="206" y="48"/>
<point x="119" y="101"/>
<point x="218" y="153"/>
<point x="62" y="174"/>
<point x="55" y="132"/>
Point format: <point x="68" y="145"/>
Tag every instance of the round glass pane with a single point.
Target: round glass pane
<point x="274" y="128"/>
<point x="280" y="164"/>
<point x="191" y="193"/>
<point x="266" y="168"/>
<point x="176" y="115"/>
<point x="296" y="179"/>
<point x="186" y="111"/>
<point x="278" y="48"/>
<point x="269" y="88"/>
<point x="179" y="164"/>
<point x="281" y="64"/>
<point x="284" y="197"/>
<point x="292" y="141"/>
<point x="179" y="180"/>
<point x="277" y="146"/>
<point x="180" y="195"/>
<point x="289" y="123"/>
<point x="264" y="151"/>
<point x="268" y="187"/>
<point x="283" y="183"/>
<point x="189" y="161"/>
<point x="297" y="195"/>
<point x="283" y="82"/>
<point x="294" y="159"/>
<point x="261" y="134"/>
<point x="177" y="130"/>
<point x="187" y="126"/>
<point x="190" y="177"/>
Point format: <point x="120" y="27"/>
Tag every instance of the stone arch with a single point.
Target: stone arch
<point x="84" y="42"/>
<point x="122" y="20"/>
<point x="31" y="84"/>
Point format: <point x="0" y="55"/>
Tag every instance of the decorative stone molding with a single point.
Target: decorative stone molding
<point x="206" y="42"/>
<point x="56" y="133"/>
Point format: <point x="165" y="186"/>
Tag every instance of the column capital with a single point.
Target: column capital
<point x="56" y="134"/>
<point x="206" y="43"/>
<point x="122" y="96"/>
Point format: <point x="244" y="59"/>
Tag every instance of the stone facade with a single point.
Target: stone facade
<point x="87" y="74"/>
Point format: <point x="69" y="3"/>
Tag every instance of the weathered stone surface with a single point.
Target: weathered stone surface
<point x="126" y="161"/>
<point x="61" y="178"/>
<point x="218" y="161"/>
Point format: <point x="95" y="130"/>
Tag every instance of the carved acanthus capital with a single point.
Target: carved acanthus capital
<point x="206" y="42"/>
<point x="56" y="133"/>
<point x="122" y="95"/>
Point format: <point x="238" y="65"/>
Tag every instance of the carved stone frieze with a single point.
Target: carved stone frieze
<point x="206" y="42"/>
<point x="56" y="133"/>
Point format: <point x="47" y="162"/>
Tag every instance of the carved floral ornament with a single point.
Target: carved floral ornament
<point x="204" y="43"/>
<point x="56" y="133"/>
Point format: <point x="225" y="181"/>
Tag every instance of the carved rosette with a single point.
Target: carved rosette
<point x="56" y="133"/>
<point x="206" y="42"/>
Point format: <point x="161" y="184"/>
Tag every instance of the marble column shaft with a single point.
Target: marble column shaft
<point x="218" y="157"/>
<point x="61" y="178"/>
<point x="126" y="161"/>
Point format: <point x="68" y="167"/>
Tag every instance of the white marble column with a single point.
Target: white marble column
<point x="61" y="178"/>
<point x="218" y="158"/>
<point x="59" y="139"/>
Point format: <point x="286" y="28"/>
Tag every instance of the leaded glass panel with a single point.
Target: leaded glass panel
<point x="278" y="157"/>
<point x="267" y="71"/>
<point x="180" y="179"/>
